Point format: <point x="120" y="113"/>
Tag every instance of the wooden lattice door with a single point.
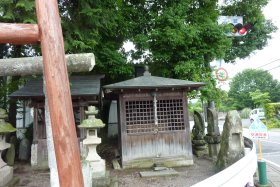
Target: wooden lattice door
<point x="153" y="126"/>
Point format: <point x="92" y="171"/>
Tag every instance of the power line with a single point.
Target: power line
<point x="273" y="68"/>
<point x="268" y="63"/>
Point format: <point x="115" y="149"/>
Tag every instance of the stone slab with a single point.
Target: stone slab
<point x="167" y="172"/>
<point x="116" y="164"/>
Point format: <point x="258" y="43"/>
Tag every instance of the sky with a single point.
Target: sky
<point x="260" y="58"/>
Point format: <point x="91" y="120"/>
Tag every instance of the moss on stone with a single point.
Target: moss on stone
<point x="6" y="128"/>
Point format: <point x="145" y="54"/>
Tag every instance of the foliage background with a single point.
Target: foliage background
<point x="177" y="39"/>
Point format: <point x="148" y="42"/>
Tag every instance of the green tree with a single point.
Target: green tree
<point x="97" y="26"/>
<point x="251" y="80"/>
<point x="260" y="98"/>
<point x="14" y="11"/>
<point x="176" y="39"/>
<point x="182" y="37"/>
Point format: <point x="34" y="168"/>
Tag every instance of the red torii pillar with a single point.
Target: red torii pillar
<point x="49" y="33"/>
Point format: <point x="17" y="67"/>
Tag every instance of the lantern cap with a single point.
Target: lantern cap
<point x="91" y="122"/>
<point x="4" y="126"/>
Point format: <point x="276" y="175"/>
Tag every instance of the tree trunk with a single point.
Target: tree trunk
<point x="34" y="65"/>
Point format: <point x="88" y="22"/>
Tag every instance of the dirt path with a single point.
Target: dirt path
<point x="202" y="169"/>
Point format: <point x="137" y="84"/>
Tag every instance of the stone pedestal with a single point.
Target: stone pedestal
<point x="199" y="148"/>
<point x="96" y="162"/>
<point x="6" y="174"/>
<point x="213" y="145"/>
<point x="214" y="150"/>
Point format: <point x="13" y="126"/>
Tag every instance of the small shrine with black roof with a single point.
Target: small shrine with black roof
<point x="153" y="122"/>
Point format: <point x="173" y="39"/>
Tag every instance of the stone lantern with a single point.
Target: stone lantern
<point x="91" y="124"/>
<point x="6" y="172"/>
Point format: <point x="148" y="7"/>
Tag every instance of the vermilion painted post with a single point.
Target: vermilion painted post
<point x="58" y="93"/>
<point x="49" y="32"/>
<point x="19" y="33"/>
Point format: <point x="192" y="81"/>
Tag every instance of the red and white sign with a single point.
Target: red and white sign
<point x="221" y="74"/>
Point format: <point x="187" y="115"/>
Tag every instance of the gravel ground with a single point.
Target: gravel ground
<point x="202" y="169"/>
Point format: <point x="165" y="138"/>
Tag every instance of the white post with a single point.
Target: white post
<point x="251" y="180"/>
<point x="54" y="180"/>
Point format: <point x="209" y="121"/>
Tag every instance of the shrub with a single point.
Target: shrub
<point x="273" y="123"/>
<point x="245" y="113"/>
<point x="272" y="110"/>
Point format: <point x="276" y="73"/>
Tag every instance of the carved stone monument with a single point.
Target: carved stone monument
<point x="232" y="144"/>
<point x="92" y="125"/>
<point x="213" y="137"/>
<point x="6" y="172"/>
<point x="199" y="148"/>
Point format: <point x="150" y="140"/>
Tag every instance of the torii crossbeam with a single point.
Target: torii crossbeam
<point x="48" y="32"/>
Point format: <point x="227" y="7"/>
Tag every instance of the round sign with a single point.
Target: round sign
<point x="221" y="74"/>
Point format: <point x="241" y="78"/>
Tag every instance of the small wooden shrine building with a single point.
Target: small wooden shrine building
<point x="153" y="120"/>
<point x="85" y="91"/>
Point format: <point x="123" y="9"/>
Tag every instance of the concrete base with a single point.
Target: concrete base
<point x="213" y="150"/>
<point x="39" y="155"/>
<point x="12" y="182"/>
<point x="98" y="168"/>
<point x="102" y="181"/>
<point x="264" y="185"/>
<point x="6" y="174"/>
<point x="166" y="162"/>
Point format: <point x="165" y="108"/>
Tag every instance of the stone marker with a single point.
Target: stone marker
<point x="213" y="137"/>
<point x="232" y="144"/>
<point x="24" y="149"/>
<point x="10" y="155"/>
<point x="199" y="148"/>
<point x="11" y="158"/>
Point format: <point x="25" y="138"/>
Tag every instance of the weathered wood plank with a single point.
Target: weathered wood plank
<point x="19" y="33"/>
<point x="58" y="94"/>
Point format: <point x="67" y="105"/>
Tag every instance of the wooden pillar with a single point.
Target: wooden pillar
<point x="58" y="93"/>
<point x="82" y="117"/>
<point x="35" y="124"/>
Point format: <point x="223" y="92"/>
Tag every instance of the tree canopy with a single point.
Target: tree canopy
<point x="182" y="37"/>
<point x="251" y="80"/>
<point x="259" y="98"/>
<point x="177" y="39"/>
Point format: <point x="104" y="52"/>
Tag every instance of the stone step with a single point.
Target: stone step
<point x="160" y="173"/>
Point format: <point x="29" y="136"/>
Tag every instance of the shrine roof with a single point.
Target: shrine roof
<point x="149" y="82"/>
<point x="79" y="86"/>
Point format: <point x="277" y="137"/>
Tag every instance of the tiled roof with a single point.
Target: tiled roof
<point x="148" y="81"/>
<point x="79" y="86"/>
